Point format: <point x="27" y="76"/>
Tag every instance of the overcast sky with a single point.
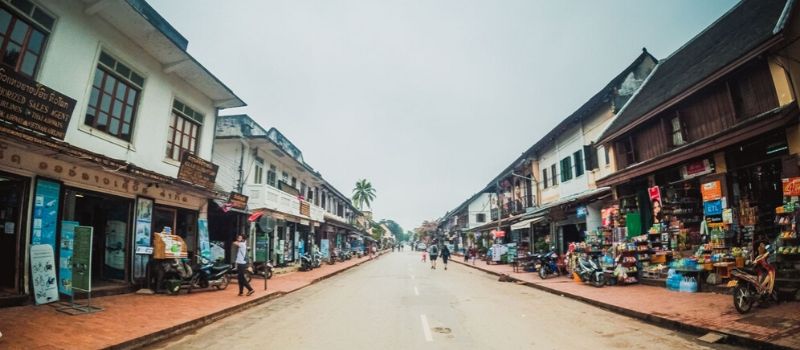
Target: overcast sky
<point x="427" y="99"/>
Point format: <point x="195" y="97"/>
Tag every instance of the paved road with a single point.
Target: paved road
<point x="397" y="302"/>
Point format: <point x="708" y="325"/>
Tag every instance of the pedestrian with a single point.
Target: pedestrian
<point x="433" y="251"/>
<point x="374" y="251"/>
<point x="424" y="255"/>
<point x="473" y="253"/>
<point x="241" y="265"/>
<point x="445" y="255"/>
<point x="466" y="254"/>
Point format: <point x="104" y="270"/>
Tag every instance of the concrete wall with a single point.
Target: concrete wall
<point x="480" y="205"/>
<point x="68" y="65"/>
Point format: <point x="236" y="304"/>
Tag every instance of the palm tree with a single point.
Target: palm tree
<point x="363" y="194"/>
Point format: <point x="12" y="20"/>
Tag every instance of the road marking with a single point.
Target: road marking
<point x="426" y="328"/>
<point x="416" y="291"/>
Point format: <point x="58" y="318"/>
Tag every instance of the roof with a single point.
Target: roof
<point x="602" y="97"/>
<point x="142" y="24"/>
<point x="742" y="29"/>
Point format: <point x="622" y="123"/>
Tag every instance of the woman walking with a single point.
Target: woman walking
<point x="241" y="265"/>
<point x="433" y="251"/>
<point x="445" y="255"/>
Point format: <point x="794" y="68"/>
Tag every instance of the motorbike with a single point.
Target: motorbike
<point x="547" y="265"/>
<point x="180" y="274"/>
<point x="306" y="262"/>
<point x="263" y="269"/>
<point x="756" y="285"/>
<point x="317" y="259"/>
<point x="347" y="254"/>
<point x="590" y="272"/>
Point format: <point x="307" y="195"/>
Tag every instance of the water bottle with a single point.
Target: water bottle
<point x="167" y="230"/>
<point x="693" y="285"/>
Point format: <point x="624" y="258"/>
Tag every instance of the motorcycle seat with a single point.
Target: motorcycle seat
<point x="218" y="268"/>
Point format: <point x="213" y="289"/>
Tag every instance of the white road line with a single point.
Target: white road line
<point x="416" y="291"/>
<point x="426" y="328"/>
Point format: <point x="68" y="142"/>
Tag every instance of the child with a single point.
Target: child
<point x="424" y="255"/>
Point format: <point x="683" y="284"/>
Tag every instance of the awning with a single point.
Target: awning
<point x="526" y="223"/>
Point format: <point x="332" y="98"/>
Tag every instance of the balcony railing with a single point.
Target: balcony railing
<point x="264" y="196"/>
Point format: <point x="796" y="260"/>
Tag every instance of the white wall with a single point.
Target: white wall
<point x="479" y="205"/>
<point x="567" y="144"/>
<point x="227" y="156"/>
<point x="69" y="64"/>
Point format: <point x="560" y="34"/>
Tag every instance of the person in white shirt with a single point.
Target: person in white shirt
<point x="241" y="265"/>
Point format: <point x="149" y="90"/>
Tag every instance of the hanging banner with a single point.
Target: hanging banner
<point x="43" y="274"/>
<point x="197" y="171"/>
<point x="45" y="212"/>
<point x="143" y="238"/>
<point x="65" y="257"/>
<point x="82" y="258"/>
<point x="26" y="103"/>
<point x="791" y="186"/>
<point x="237" y="201"/>
<point x="202" y="238"/>
<point x="711" y="190"/>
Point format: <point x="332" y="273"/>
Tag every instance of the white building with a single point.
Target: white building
<point x="110" y="158"/>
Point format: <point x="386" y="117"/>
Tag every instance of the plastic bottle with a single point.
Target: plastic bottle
<point x="693" y="285"/>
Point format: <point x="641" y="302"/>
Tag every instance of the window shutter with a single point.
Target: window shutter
<point x="590" y="157"/>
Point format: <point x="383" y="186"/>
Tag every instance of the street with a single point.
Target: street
<point x="397" y="302"/>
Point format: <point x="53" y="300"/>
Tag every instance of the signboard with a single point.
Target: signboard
<point x="580" y="212"/>
<point x="197" y="171"/>
<point x="43" y="274"/>
<point x="712" y="208"/>
<point x="237" y="201"/>
<point x="45" y="212"/>
<point x="262" y="245"/>
<point x="711" y="190"/>
<point x="82" y="258"/>
<point x="791" y="186"/>
<point x="324" y="246"/>
<point x="499" y="233"/>
<point x="65" y="257"/>
<point x="34" y="106"/>
<point x="167" y="246"/>
<point x="714" y="219"/>
<point x="202" y="238"/>
<point x="305" y="209"/>
<point x="696" y="168"/>
<point x="142" y="238"/>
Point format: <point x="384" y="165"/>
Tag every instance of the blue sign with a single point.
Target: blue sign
<point x="65" y="257"/>
<point x="712" y="208"/>
<point x="45" y="212"/>
<point x="580" y="212"/>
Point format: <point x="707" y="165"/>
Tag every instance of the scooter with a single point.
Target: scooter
<point x="306" y="262"/>
<point x="317" y="259"/>
<point x="547" y="265"/>
<point x="204" y="275"/>
<point x="754" y="285"/>
<point x="590" y="272"/>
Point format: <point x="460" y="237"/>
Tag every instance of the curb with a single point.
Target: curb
<point x="652" y="319"/>
<point x="191" y="325"/>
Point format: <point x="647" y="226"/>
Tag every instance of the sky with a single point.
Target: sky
<point x="427" y="99"/>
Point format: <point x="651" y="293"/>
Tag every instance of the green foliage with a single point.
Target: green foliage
<point x="377" y="231"/>
<point x="397" y="231"/>
<point x="363" y="194"/>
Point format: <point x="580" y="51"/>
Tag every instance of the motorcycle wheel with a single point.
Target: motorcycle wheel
<point x="173" y="286"/>
<point x="543" y="272"/>
<point x="600" y="280"/>
<point x="248" y="276"/>
<point x="269" y="274"/>
<point x="743" y="298"/>
<point x="224" y="282"/>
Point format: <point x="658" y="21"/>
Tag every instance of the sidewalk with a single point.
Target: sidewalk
<point x="776" y="326"/>
<point x="131" y="320"/>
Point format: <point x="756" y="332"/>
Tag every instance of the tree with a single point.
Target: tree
<point x="363" y="194"/>
<point x="394" y="227"/>
<point x="377" y="231"/>
<point x="428" y="228"/>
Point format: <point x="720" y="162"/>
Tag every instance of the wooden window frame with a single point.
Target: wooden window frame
<point x="97" y="104"/>
<point x="24" y="46"/>
<point x="544" y="178"/>
<point x="578" y="159"/>
<point x="554" y="175"/>
<point x="566" y="169"/>
<point x="178" y="135"/>
<point x="258" y="170"/>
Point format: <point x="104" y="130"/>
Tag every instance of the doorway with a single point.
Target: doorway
<point x="110" y="218"/>
<point x="12" y="207"/>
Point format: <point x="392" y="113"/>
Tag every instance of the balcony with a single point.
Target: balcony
<point x="263" y="196"/>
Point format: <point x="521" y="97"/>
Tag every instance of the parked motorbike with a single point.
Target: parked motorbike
<point x="306" y="262"/>
<point x="347" y="254"/>
<point x="317" y="259"/>
<point x="755" y="285"/>
<point x="263" y="269"/>
<point x="180" y="274"/>
<point x="547" y="265"/>
<point x="590" y="272"/>
<point x="339" y="255"/>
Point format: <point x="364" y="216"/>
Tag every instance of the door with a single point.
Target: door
<point x="12" y="202"/>
<point x="163" y="217"/>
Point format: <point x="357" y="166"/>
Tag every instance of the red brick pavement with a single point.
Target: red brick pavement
<point x="130" y="317"/>
<point x="777" y="325"/>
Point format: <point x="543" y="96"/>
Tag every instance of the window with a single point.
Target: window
<point x="303" y="189"/>
<point x="271" y="176"/>
<point x="544" y="178"/>
<point x="22" y="37"/>
<point x="553" y="175"/>
<point x="678" y="131"/>
<point x="285" y="177"/>
<point x="259" y="171"/>
<point x="566" y="169"/>
<point x="294" y="182"/>
<point x="578" y="163"/>
<point x="607" y="157"/>
<point x="480" y="217"/>
<point x="183" y="130"/>
<point x="114" y="98"/>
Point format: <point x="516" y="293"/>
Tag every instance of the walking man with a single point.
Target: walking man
<point x="445" y="255"/>
<point x="241" y="265"/>
<point x="433" y="251"/>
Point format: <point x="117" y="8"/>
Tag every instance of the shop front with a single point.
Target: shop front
<point x="14" y="190"/>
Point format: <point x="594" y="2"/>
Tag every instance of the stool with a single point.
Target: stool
<point x="724" y="269"/>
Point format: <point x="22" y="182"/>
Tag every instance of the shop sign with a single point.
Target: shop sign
<point x="711" y="190"/>
<point x="580" y="212"/>
<point x="696" y="168"/>
<point x="203" y="242"/>
<point x="142" y="237"/>
<point x="197" y="171"/>
<point x="712" y="207"/>
<point x="791" y="186"/>
<point x="237" y="201"/>
<point x="144" y="250"/>
<point x="305" y="210"/>
<point x="82" y="258"/>
<point x="43" y="274"/>
<point x="714" y="219"/>
<point x="65" y="257"/>
<point x="167" y="246"/>
<point x="34" y="106"/>
<point x="499" y="233"/>
<point x="45" y="212"/>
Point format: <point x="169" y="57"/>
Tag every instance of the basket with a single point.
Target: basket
<point x="658" y="259"/>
